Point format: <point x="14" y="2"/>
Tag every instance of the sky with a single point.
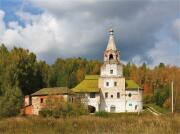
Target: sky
<point x="146" y="31"/>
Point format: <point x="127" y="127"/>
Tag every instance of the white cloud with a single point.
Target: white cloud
<point x="166" y="51"/>
<point x="2" y="25"/>
<point x="45" y="33"/>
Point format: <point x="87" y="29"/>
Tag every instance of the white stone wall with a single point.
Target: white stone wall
<point x="35" y="105"/>
<point x="27" y="100"/>
<point x="125" y="103"/>
<point x="92" y="101"/>
<point x="134" y="103"/>
<point x="117" y="70"/>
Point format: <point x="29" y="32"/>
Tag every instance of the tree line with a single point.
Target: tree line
<point x="22" y="74"/>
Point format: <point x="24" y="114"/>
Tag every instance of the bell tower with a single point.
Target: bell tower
<point x="111" y="54"/>
<point x="112" y="65"/>
<point x="111" y="80"/>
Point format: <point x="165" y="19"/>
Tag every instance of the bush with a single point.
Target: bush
<point x="147" y="98"/>
<point x="45" y="113"/>
<point x="101" y="114"/>
<point x="167" y="103"/>
<point x="161" y="95"/>
<point x="59" y="108"/>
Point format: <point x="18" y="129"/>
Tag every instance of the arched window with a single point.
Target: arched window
<point x="112" y="108"/>
<point x="110" y="57"/>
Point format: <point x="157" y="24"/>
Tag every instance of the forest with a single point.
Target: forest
<point x="21" y="73"/>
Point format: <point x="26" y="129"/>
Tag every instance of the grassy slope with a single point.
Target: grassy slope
<point x="159" y="109"/>
<point x="121" y="124"/>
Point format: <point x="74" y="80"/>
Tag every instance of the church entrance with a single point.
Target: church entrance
<point x="91" y="109"/>
<point x="112" y="109"/>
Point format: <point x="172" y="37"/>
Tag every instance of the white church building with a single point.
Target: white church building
<point x="110" y="91"/>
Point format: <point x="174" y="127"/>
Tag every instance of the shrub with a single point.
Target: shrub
<point x="59" y="108"/>
<point x="161" y="95"/>
<point x="45" y="113"/>
<point x="167" y="103"/>
<point x="101" y="114"/>
<point x="148" y="98"/>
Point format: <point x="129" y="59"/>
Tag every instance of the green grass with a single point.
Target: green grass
<point x="88" y="124"/>
<point x="159" y="109"/>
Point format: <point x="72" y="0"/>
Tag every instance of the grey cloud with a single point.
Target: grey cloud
<point x="85" y="26"/>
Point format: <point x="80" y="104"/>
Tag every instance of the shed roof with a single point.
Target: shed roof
<point x="52" y="91"/>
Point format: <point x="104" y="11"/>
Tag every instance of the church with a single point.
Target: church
<point x="110" y="91"/>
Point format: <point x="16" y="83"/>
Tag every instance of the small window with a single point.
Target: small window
<point x="42" y="100"/>
<point x="92" y="95"/>
<point x="112" y="108"/>
<point x="111" y="96"/>
<point x="111" y="71"/>
<point x="129" y="94"/>
<point x="115" y="83"/>
<point x="107" y="84"/>
<point x="106" y="95"/>
<point x="130" y="104"/>
<point x="136" y="107"/>
<point x="118" y="95"/>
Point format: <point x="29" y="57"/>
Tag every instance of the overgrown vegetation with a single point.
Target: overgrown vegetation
<point x="57" y="108"/>
<point x="88" y="124"/>
<point x="159" y="109"/>
<point x="101" y="114"/>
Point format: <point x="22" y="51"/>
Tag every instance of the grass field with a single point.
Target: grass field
<point x="114" y="123"/>
<point x="159" y="109"/>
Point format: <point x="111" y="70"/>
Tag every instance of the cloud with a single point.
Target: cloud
<point x="176" y="30"/>
<point x="2" y="25"/>
<point x="166" y="51"/>
<point x="79" y="28"/>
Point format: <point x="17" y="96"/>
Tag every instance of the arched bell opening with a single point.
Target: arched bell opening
<point x="110" y="57"/>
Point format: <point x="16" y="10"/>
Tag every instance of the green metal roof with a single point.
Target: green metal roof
<point x="52" y="91"/>
<point x="90" y="84"/>
<point x="130" y="84"/>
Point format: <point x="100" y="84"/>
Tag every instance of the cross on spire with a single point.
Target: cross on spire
<point x="111" y="43"/>
<point x="111" y="32"/>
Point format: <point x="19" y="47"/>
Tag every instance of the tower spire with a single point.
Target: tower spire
<point x="111" y="43"/>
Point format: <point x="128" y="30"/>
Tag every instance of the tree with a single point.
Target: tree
<point x="161" y="95"/>
<point x="11" y="101"/>
<point x="126" y="70"/>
